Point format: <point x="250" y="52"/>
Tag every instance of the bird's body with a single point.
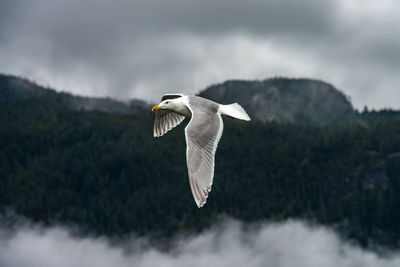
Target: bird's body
<point x="202" y="134"/>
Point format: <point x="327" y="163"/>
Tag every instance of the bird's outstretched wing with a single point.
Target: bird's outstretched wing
<point x="164" y="121"/>
<point x="202" y="136"/>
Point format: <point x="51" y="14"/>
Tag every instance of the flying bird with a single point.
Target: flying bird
<point x="202" y="134"/>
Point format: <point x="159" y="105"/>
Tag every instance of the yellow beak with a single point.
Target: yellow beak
<point x="156" y="108"/>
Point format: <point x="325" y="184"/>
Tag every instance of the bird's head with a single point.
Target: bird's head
<point x="168" y="104"/>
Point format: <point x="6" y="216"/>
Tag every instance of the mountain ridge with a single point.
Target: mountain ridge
<point x="284" y="100"/>
<point x="287" y="100"/>
<point x="16" y="90"/>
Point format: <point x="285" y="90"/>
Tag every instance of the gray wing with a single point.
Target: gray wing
<point x="164" y="121"/>
<point x="202" y="136"/>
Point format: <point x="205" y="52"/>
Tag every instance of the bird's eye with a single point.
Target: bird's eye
<point x="166" y="102"/>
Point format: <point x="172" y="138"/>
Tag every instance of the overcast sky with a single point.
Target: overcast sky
<point x="142" y="49"/>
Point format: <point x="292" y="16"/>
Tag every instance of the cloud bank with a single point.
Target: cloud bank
<point x="229" y="243"/>
<point x="142" y="49"/>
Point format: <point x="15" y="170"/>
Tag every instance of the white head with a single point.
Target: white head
<point x="169" y="104"/>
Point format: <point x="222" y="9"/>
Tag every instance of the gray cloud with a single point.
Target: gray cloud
<point x="143" y="48"/>
<point x="229" y="243"/>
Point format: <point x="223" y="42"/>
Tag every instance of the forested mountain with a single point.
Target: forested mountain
<point x="17" y="91"/>
<point x="106" y="173"/>
<point x="287" y="100"/>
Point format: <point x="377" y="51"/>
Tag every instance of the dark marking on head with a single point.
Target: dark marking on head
<point x="170" y="97"/>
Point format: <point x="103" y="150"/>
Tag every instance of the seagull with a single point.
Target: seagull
<point x="202" y="134"/>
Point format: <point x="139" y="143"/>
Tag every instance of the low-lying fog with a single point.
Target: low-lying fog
<point x="227" y="243"/>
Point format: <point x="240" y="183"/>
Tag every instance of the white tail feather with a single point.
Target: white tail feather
<point x="235" y="111"/>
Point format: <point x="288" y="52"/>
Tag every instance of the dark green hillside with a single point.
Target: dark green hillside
<point x="107" y="173"/>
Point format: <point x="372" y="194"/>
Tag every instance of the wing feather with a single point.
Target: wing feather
<point x="164" y="121"/>
<point x="202" y="136"/>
